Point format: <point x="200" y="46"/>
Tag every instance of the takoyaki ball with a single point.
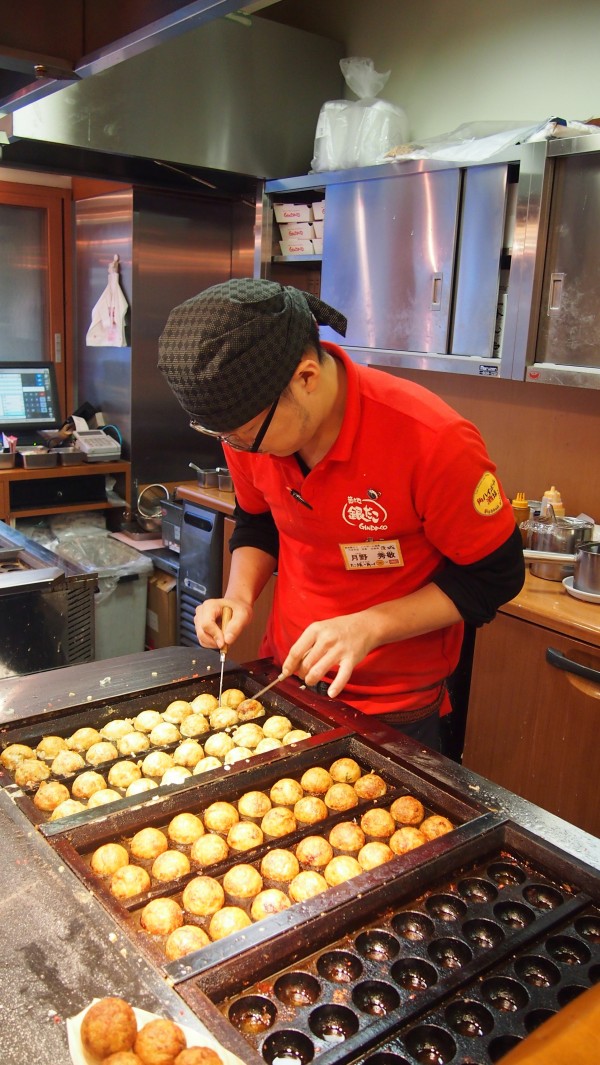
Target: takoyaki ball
<point x="148" y="843"/>
<point x="140" y="786"/>
<point x="205" y="765"/>
<point x="104" y="751"/>
<point x="226" y="921"/>
<point x="374" y="854"/>
<point x="340" y="797"/>
<point x="203" y="896"/>
<point x="66" y="809"/>
<point x="159" y="1042"/>
<point x="122" y="774"/>
<point x="188" y="754"/>
<point x="209" y="850"/>
<point x="49" y="795"/>
<point x="177" y="706"/>
<point x="370" y="786"/>
<point x="195" y="1056"/>
<point x="223" y="717"/>
<point x="164" y="734"/>
<point x="314" y="851"/>
<point x="156" y="764"/>
<point x="250" y="709"/>
<point x="147" y="720"/>
<point x="244" y="835"/>
<point x="247" y="735"/>
<point x="267" y="902"/>
<point x="50" y="746"/>
<point x="84" y="785"/>
<point x="237" y="754"/>
<point x="242" y="881"/>
<point x="184" y="829"/>
<point x="218" y="745"/>
<point x="220" y="816"/>
<point x="406" y="839"/>
<point x="108" y="858"/>
<point x="128" y="881"/>
<point x="267" y="744"/>
<point x="83" y="739"/>
<point x="435" y="826"/>
<point x="185" y="940"/>
<point x="279" y="865"/>
<point x="278" y="821"/>
<point x="347" y="837"/>
<point x="15" y="753"/>
<point x="67" y="762"/>
<point x="31" y="771"/>
<point x="115" y="730"/>
<point x="160" y="917"/>
<point x="109" y="1026"/>
<point x="306" y="885"/>
<point x="170" y="866"/>
<point x="316" y="781"/>
<point x="204" y="703"/>
<point x="253" y="804"/>
<point x="177" y="711"/>
<point x="295" y="736"/>
<point x="345" y="770"/>
<point x="378" y="823"/>
<point x="175" y="775"/>
<point x="286" y="792"/>
<point x="276" y="726"/>
<point x="133" y="743"/>
<point x="103" y="797"/>
<point x="232" y="697"/>
<point x="194" y="725"/>
<point x="341" y="868"/>
<point x="407" y="810"/>
<point x="309" y="810"/>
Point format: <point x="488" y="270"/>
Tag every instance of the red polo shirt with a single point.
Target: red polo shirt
<point x="405" y="467"/>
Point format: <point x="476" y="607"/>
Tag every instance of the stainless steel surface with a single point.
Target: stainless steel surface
<point x="181" y="245"/>
<point x="203" y="97"/>
<point x="563" y="536"/>
<point x="586" y="572"/>
<point x="225" y="619"/>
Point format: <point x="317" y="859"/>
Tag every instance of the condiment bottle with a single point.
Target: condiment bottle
<point x="552" y="496"/>
<point x="520" y="509"/>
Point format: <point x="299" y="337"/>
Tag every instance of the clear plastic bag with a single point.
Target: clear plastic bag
<point x="357" y="133"/>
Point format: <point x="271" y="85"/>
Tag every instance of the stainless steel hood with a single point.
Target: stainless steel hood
<point x="239" y="94"/>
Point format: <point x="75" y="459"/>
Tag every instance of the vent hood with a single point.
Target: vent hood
<point x="225" y="95"/>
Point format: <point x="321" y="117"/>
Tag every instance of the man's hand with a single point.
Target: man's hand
<point x="207" y="621"/>
<point x="343" y="642"/>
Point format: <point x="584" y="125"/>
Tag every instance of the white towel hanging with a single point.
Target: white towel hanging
<point x="107" y="329"/>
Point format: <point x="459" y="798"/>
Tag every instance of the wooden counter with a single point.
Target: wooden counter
<point x="213" y="498"/>
<point x="547" y="603"/>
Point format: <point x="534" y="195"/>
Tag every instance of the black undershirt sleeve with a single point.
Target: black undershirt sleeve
<point x="254" y="530"/>
<point x="479" y="589"/>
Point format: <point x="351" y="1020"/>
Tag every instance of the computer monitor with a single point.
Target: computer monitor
<point x="28" y="398"/>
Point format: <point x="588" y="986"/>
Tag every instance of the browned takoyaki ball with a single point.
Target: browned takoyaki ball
<point x="406" y="839"/>
<point x="407" y="810"/>
<point x="314" y="851"/>
<point x="227" y="920"/>
<point x="316" y="781"/>
<point x="108" y="858"/>
<point x="249" y="709"/>
<point x="164" y="734"/>
<point x="204" y="703"/>
<point x="194" y="725"/>
<point x="278" y="821"/>
<point x="286" y="792"/>
<point x="85" y="784"/>
<point x="306" y="885"/>
<point x="345" y="770"/>
<point x="160" y="917"/>
<point x="370" y="786"/>
<point x="242" y="881"/>
<point x="347" y="837"/>
<point x="133" y="743"/>
<point x="341" y="868"/>
<point x="146" y="720"/>
<point x="209" y="850"/>
<point x="185" y="940"/>
<point x="232" y="697"/>
<point x="66" y="809"/>
<point x="374" y="854"/>
<point x="198" y="1056"/>
<point x="122" y="774"/>
<point x="109" y="1026"/>
<point x="128" y="881"/>
<point x="341" y="796"/>
<point x="248" y="735"/>
<point x="220" y="816"/>
<point x="15" y="753"/>
<point x="435" y="826"/>
<point x="159" y="1042"/>
<point x="253" y="804"/>
<point x="50" y="746"/>
<point x="148" y="843"/>
<point x="244" y="835"/>
<point x="65" y="763"/>
<point x="185" y="829"/>
<point x="83" y="738"/>
<point x="279" y="865"/>
<point x="203" y="896"/>
<point x="309" y="810"/>
<point x="104" y="751"/>
<point x="170" y="866"/>
<point x="276" y="726"/>
<point x="49" y="795"/>
<point x="378" y="823"/>
<point x="269" y="901"/>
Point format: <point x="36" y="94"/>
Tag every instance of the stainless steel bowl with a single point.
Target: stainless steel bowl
<point x="560" y="537"/>
<point x="586" y="575"/>
<point x="224" y="479"/>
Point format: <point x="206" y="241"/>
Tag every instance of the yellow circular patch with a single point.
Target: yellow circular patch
<point x="487" y="498"/>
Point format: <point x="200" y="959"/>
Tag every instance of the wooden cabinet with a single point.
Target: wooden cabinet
<point x="60" y="489"/>
<point x="246" y="647"/>
<point x="532" y="727"/>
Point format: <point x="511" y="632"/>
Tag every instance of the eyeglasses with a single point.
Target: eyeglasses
<point x="231" y="438"/>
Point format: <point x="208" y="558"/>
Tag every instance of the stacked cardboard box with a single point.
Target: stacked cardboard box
<point x="300" y="234"/>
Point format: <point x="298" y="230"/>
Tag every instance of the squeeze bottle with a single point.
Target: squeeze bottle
<point x="552" y="495"/>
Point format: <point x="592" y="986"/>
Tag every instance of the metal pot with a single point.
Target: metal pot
<point x="206" y="478"/>
<point x="562" y="536"/>
<point x="224" y="479"/>
<point x="586" y="573"/>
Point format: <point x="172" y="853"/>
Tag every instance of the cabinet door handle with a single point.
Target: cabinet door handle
<point x="560" y="661"/>
<point x="555" y="293"/>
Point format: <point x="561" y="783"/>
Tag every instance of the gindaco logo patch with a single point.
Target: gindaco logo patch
<point x="487" y="498"/>
<point x="365" y="514"/>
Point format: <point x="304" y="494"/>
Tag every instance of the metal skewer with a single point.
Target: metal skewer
<point x="225" y="619"/>
<point x="268" y="687"/>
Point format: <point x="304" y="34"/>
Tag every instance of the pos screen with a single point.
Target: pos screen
<point x="28" y="397"/>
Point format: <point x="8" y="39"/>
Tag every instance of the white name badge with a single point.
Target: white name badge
<point x="374" y="554"/>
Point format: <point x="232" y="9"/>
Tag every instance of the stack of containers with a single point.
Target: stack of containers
<point x="301" y="227"/>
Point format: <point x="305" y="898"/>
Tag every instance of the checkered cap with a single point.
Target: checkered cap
<point x="229" y="352"/>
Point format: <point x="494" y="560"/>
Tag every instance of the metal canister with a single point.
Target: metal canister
<point x="562" y="536"/>
<point x="586" y="576"/>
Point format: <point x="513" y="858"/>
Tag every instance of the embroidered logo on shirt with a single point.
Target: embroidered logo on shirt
<point x="487" y="498"/>
<point x="364" y="514"/>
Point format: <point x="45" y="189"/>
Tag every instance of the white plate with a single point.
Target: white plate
<point x="588" y="597"/>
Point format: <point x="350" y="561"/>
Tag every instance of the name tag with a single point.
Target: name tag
<point x="374" y="554"/>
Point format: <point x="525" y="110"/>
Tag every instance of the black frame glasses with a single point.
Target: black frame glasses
<point x="228" y="438"/>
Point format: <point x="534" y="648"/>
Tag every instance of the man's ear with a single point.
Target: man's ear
<point x="308" y="371"/>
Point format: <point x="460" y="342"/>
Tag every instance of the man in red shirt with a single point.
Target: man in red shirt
<point x="376" y="502"/>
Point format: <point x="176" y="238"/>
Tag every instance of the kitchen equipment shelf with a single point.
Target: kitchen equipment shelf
<point x="58" y="490"/>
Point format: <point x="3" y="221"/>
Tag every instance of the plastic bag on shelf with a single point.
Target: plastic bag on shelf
<point x="357" y="133"/>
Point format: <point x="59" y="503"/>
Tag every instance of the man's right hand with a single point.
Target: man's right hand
<point x="207" y="621"/>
